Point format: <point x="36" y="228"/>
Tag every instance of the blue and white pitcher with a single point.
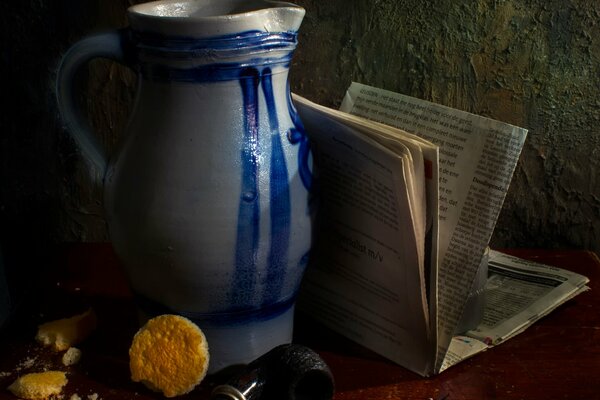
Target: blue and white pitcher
<point x="207" y="198"/>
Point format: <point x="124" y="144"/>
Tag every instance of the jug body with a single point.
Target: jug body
<point x="207" y="199"/>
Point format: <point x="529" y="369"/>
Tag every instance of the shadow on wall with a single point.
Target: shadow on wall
<point x="46" y="195"/>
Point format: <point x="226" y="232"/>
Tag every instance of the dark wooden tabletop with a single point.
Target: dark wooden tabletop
<point x="557" y="358"/>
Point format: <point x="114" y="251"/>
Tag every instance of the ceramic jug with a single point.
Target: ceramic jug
<point x="206" y="199"/>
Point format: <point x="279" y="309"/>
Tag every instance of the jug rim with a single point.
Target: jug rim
<point x="191" y="9"/>
<point x="213" y="18"/>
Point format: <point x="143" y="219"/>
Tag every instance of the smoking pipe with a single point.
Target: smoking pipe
<point x="287" y="372"/>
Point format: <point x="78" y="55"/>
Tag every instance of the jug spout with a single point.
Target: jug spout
<point x="285" y="17"/>
<point x="211" y="18"/>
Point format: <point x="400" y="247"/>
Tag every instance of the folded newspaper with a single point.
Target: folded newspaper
<point x="409" y="194"/>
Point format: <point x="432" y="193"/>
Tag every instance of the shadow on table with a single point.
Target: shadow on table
<point x="354" y="367"/>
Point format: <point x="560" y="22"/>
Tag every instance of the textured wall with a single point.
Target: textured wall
<point x="536" y="65"/>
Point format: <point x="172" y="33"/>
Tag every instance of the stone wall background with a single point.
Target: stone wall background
<point x="534" y="64"/>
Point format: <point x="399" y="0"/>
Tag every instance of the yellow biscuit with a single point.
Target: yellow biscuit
<point x="40" y="385"/>
<point x="64" y="333"/>
<point x="169" y="354"/>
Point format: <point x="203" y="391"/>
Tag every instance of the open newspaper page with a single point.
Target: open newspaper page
<point x="425" y="157"/>
<point x="423" y="183"/>
<point x="518" y="293"/>
<point x="477" y="159"/>
<point x="367" y="279"/>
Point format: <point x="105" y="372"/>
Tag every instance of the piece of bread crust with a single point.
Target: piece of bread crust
<point x="64" y="333"/>
<point x="39" y="385"/>
<point x="169" y="354"/>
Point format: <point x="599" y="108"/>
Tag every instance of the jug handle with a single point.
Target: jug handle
<point x="109" y="45"/>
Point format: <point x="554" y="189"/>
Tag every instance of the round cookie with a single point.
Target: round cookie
<point x="169" y="354"/>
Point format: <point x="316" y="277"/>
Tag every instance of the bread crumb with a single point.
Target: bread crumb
<point x="39" y="385"/>
<point x="64" y="333"/>
<point x="169" y="354"/>
<point x="71" y="356"/>
<point x="26" y="363"/>
<point x="74" y="396"/>
<point x="93" y="396"/>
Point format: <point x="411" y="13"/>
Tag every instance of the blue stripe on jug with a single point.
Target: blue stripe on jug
<point x="297" y="135"/>
<point x="279" y="200"/>
<point x="161" y="54"/>
<point x="244" y="276"/>
<point x="239" y="43"/>
<point x="208" y="73"/>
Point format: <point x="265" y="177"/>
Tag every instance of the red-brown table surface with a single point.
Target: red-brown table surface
<point x="557" y="358"/>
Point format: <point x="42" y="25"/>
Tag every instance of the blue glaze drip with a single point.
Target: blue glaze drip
<point x="297" y="135"/>
<point x="244" y="277"/>
<point x="280" y="208"/>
